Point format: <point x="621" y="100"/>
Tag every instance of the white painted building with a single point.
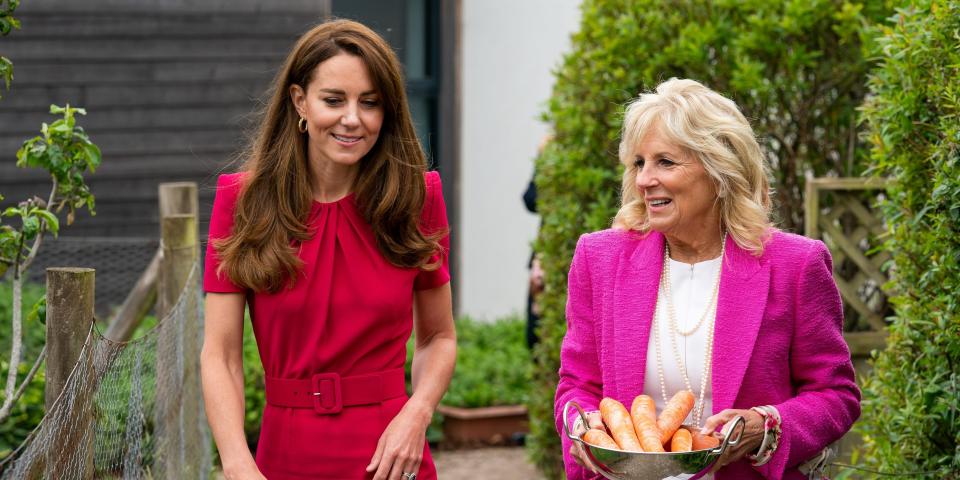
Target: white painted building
<point x="508" y="50"/>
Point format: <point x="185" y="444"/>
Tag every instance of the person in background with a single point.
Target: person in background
<point x="694" y="289"/>
<point x="335" y="237"/>
<point x="535" y="284"/>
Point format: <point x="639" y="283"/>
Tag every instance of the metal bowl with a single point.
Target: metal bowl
<point x="623" y="465"/>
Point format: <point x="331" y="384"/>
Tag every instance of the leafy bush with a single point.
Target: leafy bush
<point x="911" y="420"/>
<point x="493" y="367"/>
<point x="27" y="413"/>
<point x="493" y="364"/>
<point x="795" y="68"/>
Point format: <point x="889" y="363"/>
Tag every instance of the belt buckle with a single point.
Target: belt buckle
<point x="326" y="393"/>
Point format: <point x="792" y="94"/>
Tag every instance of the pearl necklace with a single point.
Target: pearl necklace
<point x="707" y="360"/>
<point x="674" y="327"/>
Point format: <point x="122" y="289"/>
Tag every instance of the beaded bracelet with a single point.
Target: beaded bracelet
<point x="771" y="435"/>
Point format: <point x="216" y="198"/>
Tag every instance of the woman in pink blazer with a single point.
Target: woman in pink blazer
<point x="695" y="190"/>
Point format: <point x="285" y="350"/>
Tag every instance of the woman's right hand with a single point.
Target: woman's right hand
<point x="576" y="450"/>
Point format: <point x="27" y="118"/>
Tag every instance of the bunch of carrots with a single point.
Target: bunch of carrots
<point x="641" y="430"/>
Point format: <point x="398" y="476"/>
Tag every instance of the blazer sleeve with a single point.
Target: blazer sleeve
<point x="827" y="400"/>
<point x="580" y="377"/>
<point x="434" y="219"/>
<point x="221" y="226"/>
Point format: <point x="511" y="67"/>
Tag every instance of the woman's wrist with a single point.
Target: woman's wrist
<point x="239" y="468"/>
<point x="771" y="435"/>
<point x="420" y="409"/>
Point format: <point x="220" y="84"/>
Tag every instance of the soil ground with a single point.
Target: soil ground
<point x="492" y="463"/>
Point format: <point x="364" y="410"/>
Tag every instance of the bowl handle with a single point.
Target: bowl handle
<point x="738" y="424"/>
<point x="592" y="463"/>
<point x="566" y="425"/>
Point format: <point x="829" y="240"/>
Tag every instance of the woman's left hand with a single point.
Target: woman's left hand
<point x="749" y="442"/>
<point x="400" y="448"/>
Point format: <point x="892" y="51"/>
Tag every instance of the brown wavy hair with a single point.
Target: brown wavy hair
<point x="275" y="200"/>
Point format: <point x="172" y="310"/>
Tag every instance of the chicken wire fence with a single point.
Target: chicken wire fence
<point x="129" y="410"/>
<point x="119" y="261"/>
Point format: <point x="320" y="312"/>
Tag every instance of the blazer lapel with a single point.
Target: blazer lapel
<point x="634" y="300"/>
<point x="744" y="284"/>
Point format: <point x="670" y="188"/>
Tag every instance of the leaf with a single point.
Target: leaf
<point x="39" y="311"/>
<point x="53" y="223"/>
<point x="30" y="227"/>
<point x="93" y="156"/>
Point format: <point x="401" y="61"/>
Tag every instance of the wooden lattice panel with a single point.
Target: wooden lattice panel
<point x="838" y="211"/>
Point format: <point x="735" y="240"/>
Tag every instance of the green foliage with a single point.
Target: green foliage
<point x="911" y="416"/>
<point x="795" y="68"/>
<point x="493" y="364"/>
<point x="493" y="368"/>
<point x="28" y="412"/>
<point x="66" y="151"/>
<point x="7" y="24"/>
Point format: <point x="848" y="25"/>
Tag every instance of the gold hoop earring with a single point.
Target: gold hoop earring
<point x="302" y="125"/>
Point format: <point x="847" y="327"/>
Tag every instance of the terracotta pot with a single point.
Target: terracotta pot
<point x="483" y="425"/>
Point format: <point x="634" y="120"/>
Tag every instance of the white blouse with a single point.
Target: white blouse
<point x="691" y="287"/>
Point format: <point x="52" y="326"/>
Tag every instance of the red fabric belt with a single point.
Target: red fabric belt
<point x="328" y="393"/>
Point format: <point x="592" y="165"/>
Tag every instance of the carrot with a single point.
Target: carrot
<point x="617" y="418"/>
<point x="674" y="413"/>
<point x="703" y="442"/>
<point x="643" y="413"/>
<point x="646" y="405"/>
<point x="600" y="438"/>
<point x="682" y="441"/>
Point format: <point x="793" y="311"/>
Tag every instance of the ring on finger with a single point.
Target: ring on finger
<point x="408" y="475"/>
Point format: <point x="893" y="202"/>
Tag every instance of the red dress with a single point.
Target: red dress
<point x="349" y="313"/>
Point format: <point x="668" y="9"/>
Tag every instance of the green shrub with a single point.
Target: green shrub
<point x="911" y="418"/>
<point x="795" y="68"/>
<point x="28" y="412"/>
<point x="493" y="364"/>
<point x="493" y="367"/>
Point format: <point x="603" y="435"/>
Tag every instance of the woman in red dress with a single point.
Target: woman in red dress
<point x="335" y="237"/>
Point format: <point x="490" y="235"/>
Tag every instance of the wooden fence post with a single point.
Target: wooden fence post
<point x="70" y="300"/>
<point x="178" y="198"/>
<point x="180" y="405"/>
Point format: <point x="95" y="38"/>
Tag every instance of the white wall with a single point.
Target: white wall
<point x="508" y="50"/>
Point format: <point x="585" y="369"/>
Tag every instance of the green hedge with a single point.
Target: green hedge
<point x="911" y="417"/>
<point x="795" y="68"/>
<point x="493" y="364"/>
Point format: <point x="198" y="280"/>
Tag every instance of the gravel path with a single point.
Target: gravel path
<point x="493" y="463"/>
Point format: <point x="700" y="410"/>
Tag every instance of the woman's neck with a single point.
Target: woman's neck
<point x="331" y="181"/>
<point x="695" y="248"/>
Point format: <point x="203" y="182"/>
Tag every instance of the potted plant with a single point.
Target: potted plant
<point x="486" y="401"/>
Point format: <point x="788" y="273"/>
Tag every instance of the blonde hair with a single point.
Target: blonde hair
<point x="710" y="127"/>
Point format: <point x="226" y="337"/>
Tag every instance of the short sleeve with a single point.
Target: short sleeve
<point x="434" y="219"/>
<point x="221" y="226"/>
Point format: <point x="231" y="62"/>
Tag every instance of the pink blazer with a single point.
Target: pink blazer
<point x="778" y="339"/>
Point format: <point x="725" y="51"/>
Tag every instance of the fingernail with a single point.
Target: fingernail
<point x="704" y="431"/>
